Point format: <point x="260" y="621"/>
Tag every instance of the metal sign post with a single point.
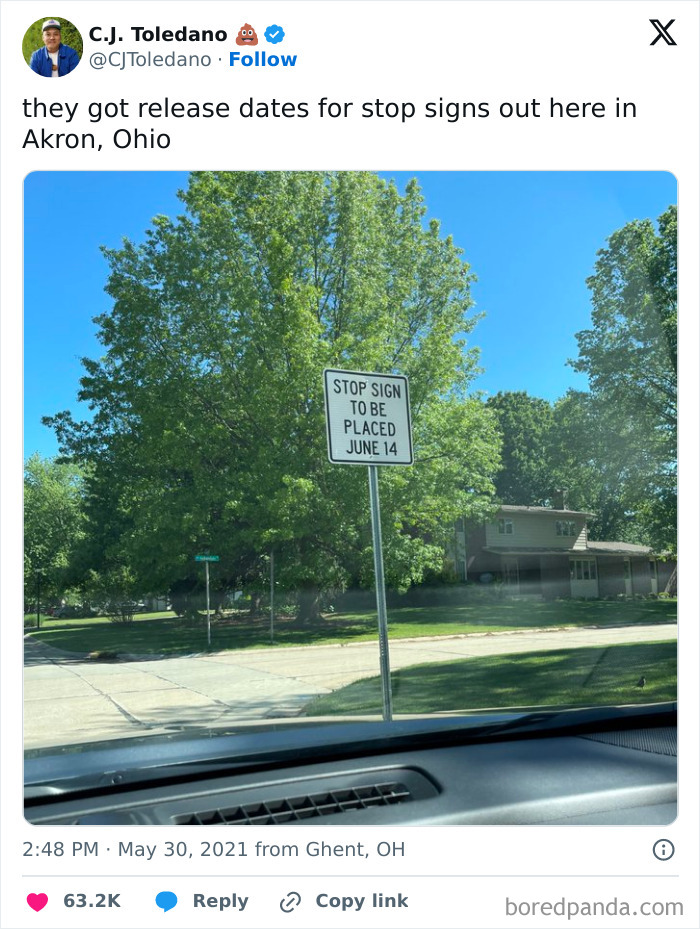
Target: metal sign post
<point x="206" y="575"/>
<point x="272" y="596"/>
<point x="38" y="599"/>
<point x="206" y="559"/>
<point x="381" y="592"/>
<point x="368" y="421"/>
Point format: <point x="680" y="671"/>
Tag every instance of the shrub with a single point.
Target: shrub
<point x="120" y="612"/>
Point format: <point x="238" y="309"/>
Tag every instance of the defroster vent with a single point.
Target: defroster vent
<point x="308" y="806"/>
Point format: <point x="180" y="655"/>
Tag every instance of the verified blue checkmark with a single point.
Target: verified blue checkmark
<point x="274" y="34"/>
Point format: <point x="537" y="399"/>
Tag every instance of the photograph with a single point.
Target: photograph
<point x="350" y="497"/>
<point x="52" y="47"/>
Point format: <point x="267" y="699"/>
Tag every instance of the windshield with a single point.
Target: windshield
<point x="318" y="446"/>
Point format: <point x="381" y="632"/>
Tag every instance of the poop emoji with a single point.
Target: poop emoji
<point x="246" y="35"/>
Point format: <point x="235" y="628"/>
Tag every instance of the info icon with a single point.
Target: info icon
<point x="663" y="849"/>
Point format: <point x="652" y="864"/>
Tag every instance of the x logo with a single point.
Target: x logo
<point x="663" y="31"/>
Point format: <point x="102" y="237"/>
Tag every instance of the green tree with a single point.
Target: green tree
<point x="580" y="450"/>
<point x="525" y="423"/>
<point x="630" y="357"/>
<point x="602" y="465"/>
<point x="54" y="524"/>
<point x="208" y="427"/>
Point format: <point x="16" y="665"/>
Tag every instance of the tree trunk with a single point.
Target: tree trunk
<point x="309" y="605"/>
<point x="672" y="585"/>
<point x="255" y="601"/>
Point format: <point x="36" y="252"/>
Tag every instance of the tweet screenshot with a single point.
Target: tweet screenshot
<point x="349" y="360"/>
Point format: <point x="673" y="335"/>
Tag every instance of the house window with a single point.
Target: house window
<point x="566" y="527"/>
<point x="582" y="569"/>
<point x="505" y="527"/>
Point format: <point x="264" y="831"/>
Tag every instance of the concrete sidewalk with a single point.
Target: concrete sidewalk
<point x="68" y="699"/>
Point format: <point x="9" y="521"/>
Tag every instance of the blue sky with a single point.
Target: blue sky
<point x="531" y="238"/>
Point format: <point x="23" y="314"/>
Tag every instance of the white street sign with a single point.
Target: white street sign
<point x="368" y="418"/>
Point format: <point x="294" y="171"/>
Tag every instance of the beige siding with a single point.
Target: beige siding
<point x="538" y="530"/>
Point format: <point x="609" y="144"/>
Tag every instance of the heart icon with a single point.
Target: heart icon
<point x="37" y="901"/>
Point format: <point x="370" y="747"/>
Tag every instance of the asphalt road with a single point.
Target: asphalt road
<point x="69" y="700"/>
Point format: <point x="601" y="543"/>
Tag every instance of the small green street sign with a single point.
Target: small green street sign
<point x="206" y="557"/>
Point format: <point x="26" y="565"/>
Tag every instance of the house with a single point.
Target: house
<point x="545" y="552"/>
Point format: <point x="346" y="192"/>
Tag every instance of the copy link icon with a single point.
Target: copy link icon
<point x="290" y="902"/>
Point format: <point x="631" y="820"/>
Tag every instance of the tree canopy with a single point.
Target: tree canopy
<point x="54" y="524"/>
<point x="525" y="423"/>
<point x="630" y="357"/>
<point x="207" y="427"/>
<point x="208" y="422"/>
<point x="630" y="352"/>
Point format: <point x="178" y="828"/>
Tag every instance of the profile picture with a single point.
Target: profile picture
<point x="52" y="47"/>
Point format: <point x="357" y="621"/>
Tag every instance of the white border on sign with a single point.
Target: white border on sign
<point x="367" y="461"/>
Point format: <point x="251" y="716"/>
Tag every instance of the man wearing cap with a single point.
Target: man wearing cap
<point x="55" y="59"/>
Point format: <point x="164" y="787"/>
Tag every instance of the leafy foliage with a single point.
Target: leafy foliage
<point x="611" y="450"/>
<point x="54" y="524"/>
<point x="630" y="353"/>
<point x="525" y="423"/>
<point x="208" y="427"/>
<point x="630" y="357"/>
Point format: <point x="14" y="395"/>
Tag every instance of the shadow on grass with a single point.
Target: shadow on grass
<point x="581" y="676"/>
<point x="172" y="636"/>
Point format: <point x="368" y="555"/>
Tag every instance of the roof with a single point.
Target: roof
<point x="539" y="510"/>
<point x="531" y="550"/>
<point x="593" y="548"/>
<point x="619" y="548"/>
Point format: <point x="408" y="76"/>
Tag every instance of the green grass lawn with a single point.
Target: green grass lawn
<point x="577" y="676"/>
<point x="30" y="620"/>
<point x="163" y="633"/>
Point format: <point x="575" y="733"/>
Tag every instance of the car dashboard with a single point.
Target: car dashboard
<point x="548" y="769"/>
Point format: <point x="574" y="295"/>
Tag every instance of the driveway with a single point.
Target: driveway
<point x="69" y="700"/>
